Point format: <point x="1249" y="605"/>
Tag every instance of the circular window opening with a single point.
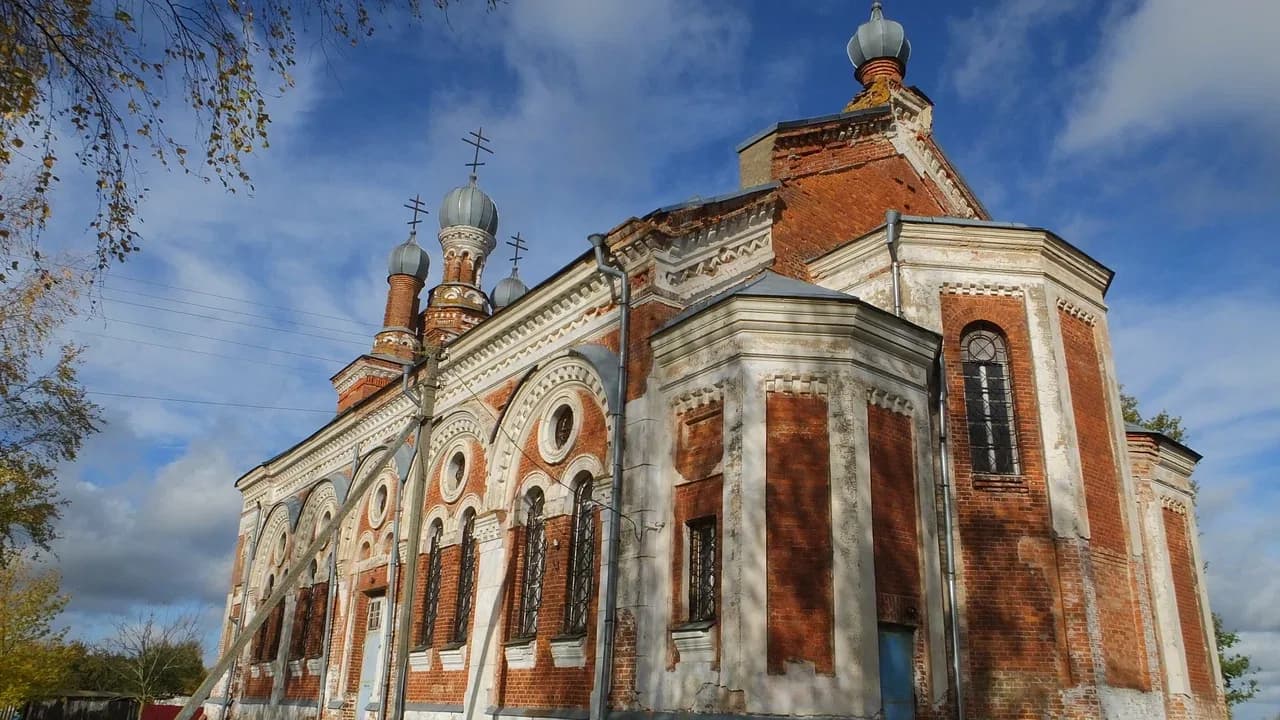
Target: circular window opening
<point x="280" y="544"/>
<point x="457" y="468"/>
<point x="563" y="420"/>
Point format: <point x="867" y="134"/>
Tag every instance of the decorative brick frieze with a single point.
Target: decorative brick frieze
<point x="796" y="383"/>
<point x="982" y="288"/>
<point x="1173" y="504"/>
<point x="889" y="401"/>
<point x="698" y="398"/>
<point x="1077" y="312"/>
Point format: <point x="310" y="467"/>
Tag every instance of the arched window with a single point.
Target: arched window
<point x="466" y="577"/>
<point x="993" y="438"/>
<point x="535" y="560"/>
<point x="582" y="557"/>
<point x="302" y="615"/>
<point x="431" y="601"/>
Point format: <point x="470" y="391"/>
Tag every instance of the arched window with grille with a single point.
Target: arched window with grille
<point x="466" y="577"/>
<point x="582" y="557"/>
<point x="431" y="595"/>
<point x="988" y="399"/>
<point x="535" y="561"/>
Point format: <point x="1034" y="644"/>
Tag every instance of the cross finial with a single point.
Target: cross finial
<point x="518" y="243"/>
<point x="419" y="208"/>
<point x="477" y="141"/>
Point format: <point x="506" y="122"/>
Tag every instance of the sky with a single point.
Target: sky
<point x="1142" y="131"/>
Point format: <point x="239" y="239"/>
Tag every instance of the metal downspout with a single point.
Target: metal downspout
<point x="604" y="659"/>
<point x="893" y="232"/>
<point x="892" y="228"/>
<point x="948" y="512"/>
<point x="244" y="596"/>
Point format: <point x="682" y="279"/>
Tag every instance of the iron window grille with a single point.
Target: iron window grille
<point x="582" y="558"/>
<point x="993" y="442"/>
<point x="702" y="569"/>
<point x="301" y="625"/>
<point x="564" y="425"/>
<point x="535" y="561"/>
<point x="466" y="577"/>
<point x="431" y="603"/>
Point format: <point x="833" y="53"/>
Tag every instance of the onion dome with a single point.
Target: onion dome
<point x="877" y="39"/>
<point x="469" y="205"/>
<point x="508" y="290"/>
<point x="408" y="258"/>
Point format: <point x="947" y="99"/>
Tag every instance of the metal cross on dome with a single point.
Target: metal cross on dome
<point x="419" y="208"/>
<point x="519" y="244"/>
<point x="477" y="141"/>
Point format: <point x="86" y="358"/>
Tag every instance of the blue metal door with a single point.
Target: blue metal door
<point x="897" y="680"/>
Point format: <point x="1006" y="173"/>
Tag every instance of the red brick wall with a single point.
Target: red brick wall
<point x="1187" y="593"/>
<point x="438" y="685"/>
<point x="798" y="537"/>
<point x="1124" y="648"/>
<point x="834" y="193"/>
<point x="896" y="538"/>
<point x="1025" y="630"/>
<point x="546" y="686"/>
<point x="402" y="301"/>
<point x="700" y="441"/>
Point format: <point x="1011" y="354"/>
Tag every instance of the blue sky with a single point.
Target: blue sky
<point x="1141" y="130"/>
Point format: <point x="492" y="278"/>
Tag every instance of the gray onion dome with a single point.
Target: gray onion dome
<point x="469" y="205"/>
<point x="408" y="258"/>
<point x="879" y="38"/>
<point x="508" y="290"/>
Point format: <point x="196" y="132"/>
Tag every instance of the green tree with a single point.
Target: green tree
<point x="1237" y="669"/>
<point x="33" y="658"/>
<point x="44" y="412"/>
<point x="92" y="75"/>
<point x="1161" y="422"/>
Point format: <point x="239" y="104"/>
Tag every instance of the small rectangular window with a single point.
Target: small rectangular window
<point x="702" y="569"/>
<point x="375" y="615"/>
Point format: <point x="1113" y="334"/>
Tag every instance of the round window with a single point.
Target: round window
<point x="563" y="423"/>
<point x="457" y="468"/>
<point x="378" y="506"/>
<point x="280" y="545"/>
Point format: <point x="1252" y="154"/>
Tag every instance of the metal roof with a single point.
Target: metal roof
<point x="767" y="284"/>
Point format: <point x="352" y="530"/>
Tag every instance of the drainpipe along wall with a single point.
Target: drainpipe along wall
<point x="893" y="233"/>
<point x="609" y="591"/>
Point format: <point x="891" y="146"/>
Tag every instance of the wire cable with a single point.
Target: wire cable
<point x="237" y="322"/>
<point x="294" y="368"/>
<point x="229" y="310"/>
<point x="194" y="401"/>
<point x="218" y="339"/>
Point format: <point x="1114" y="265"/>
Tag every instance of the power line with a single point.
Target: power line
<point x="236" y="322"/>
<point x="224" y="340"/>
<point x="186" y="289"/>
<point x="190" y="350"/>
<point x="229" y="310"/>
<point x="207" y="402"/>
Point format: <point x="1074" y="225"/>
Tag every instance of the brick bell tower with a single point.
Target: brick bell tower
<point x="468" y="224"/>
<point x="397" y="343"/>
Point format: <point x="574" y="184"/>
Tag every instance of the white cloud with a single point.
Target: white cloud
<point x="993" y="45"/>
<point x="1173" y="63"/>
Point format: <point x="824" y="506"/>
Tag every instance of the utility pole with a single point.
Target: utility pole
<point x="417" y="491"/>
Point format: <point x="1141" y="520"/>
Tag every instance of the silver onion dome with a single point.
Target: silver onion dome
<point x="508" y="290"/>
<point x="879" y="38"/>
<point x="469" y="205"/>
<point x="408" y="258"/>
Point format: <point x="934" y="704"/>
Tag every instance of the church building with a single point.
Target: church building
<point x="836" y="445"/>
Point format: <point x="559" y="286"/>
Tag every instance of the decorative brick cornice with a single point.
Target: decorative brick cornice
<point x="796" y="383"/>
<point x="458" y="423"/>
<point x="1174" y="504"/>
<point x="359" y="370"/>
<point x="982" y="288"/>
<point x="488" y="527"/>
<point x="695" y="399"/>
<point x="889" y="401"/>
<point x="1077" y="312"/>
